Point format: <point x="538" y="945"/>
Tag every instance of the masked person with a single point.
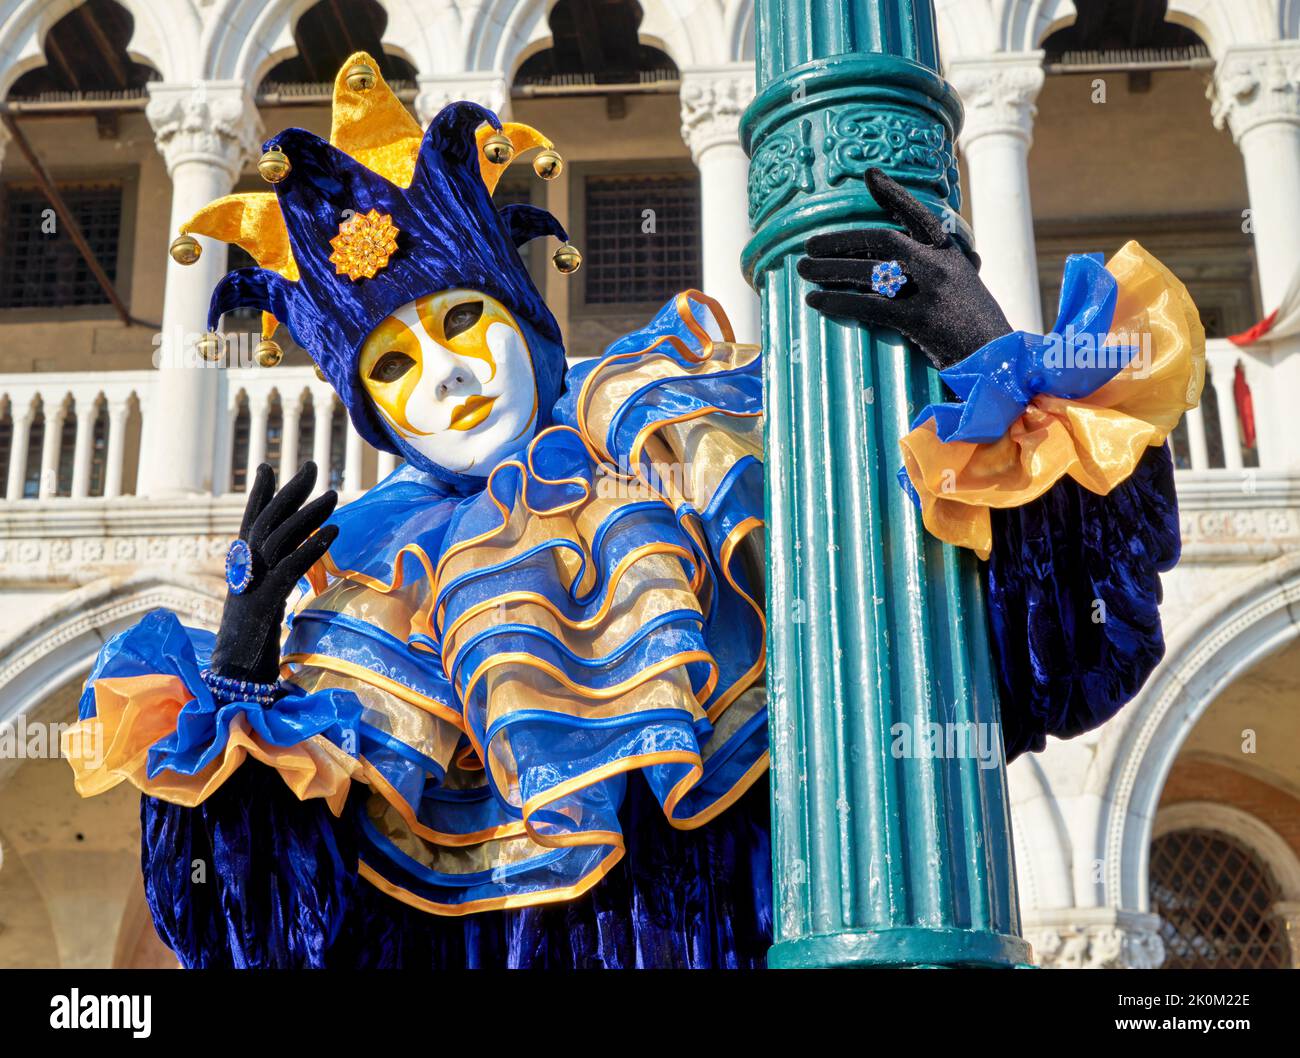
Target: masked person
<point x="517" y="715"/>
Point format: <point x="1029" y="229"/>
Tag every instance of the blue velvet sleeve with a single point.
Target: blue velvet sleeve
<point x="1073" y="601"/>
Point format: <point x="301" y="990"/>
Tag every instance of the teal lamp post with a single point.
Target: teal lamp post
<point x="891" y="838"/>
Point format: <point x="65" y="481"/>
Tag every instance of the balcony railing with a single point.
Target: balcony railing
<point x="83" y="435"/>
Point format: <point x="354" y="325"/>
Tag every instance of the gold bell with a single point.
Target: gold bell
<point x="319" y="373"/>
<point x="274" y="165"/>
<point x="548" y="164"/>
<point x="361" y="77"/>
<point x="268" y="353"/>
<point x="209" y="346"/>
<point x="498" y="149"/>
<point x="185" y="249"/>
<point x="567" y="259"/>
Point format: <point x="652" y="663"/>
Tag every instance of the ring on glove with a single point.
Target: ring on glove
<point x="239" y="566"/>
<point x="887" y="278"/>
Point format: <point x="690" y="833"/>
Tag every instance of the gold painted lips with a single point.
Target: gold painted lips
<point x="471" y="413"/>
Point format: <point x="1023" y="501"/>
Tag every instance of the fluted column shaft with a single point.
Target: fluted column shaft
<point x="885" y="852"/>
<point x="206" y="132"/>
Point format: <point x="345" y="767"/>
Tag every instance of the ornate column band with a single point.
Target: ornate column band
<point x="813" y="135"/>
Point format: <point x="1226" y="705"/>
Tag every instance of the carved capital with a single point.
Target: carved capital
<point x="1095" y="939"/>
<point x="1256" y="86"/>
<point x="712" y="102"/>
<point x="999" y="95"/>
<point x="213" y="122"/>
<point x="488" y="89"/>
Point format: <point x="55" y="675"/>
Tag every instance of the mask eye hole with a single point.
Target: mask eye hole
<point x="391" y="366"/>
<point x="461" y="318"/>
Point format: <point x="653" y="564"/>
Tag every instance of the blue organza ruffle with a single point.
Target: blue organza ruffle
<point x="996" y="383"/>
<point x="160" y="645"/>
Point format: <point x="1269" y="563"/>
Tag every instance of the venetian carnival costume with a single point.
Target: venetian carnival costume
<point x="517" y="715"/>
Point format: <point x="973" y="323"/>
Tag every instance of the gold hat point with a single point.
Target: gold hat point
<point x="498" y="149"/>
<point x="185" y="249"/>
<point x="268" y="353"/>
<point x="319" y="373"/>
<point x="274" y="165"/>
<point x="567" y="259"/>
<point x="361" y="77"/>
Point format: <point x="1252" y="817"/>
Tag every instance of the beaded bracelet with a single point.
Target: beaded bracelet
<point x="226" y="689"/>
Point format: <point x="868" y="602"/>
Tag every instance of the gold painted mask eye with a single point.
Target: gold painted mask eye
<point x="461" y="318"/>
<point x="390" y="367"/>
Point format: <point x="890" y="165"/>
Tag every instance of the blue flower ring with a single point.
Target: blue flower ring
<point x="887" y="278"/>
<point x="239" y="566"/>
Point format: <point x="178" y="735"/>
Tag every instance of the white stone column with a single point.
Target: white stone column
<point x="51" y="443"/>
<point x="21" y="418"/>
<point x="87" y="409"/>
<point x="116" y="456"/>
<point x="353" y="456"/>
<point x="487" y="88"/>
<point x="259" y="410"/>
<point x="290" y="420"/>
<point x="206" y="131"/>
<point x="387" y="463"/>
<point x="323" y="410"/>
<point x="713" y="98"/>
<point x="1256" y="95"/>
<point x="998" y="93"/>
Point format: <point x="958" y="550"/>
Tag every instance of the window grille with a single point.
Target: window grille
<point x="41" y="268"/>
<point x="634" y="257"/>
<point x="1215" y="900"/>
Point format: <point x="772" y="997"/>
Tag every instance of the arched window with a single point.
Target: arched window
<point x="239" y="448"/>
<point x="1215" y="898"/>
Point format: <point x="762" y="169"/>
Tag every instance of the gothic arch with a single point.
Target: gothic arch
<point x="246" y="38"/>
<point x="1228" y="638"/>
<point x="972" y="28"/>
<point x="503" y="32"/>
<point x="61" y="645"/>
<point x="166" y="36"/>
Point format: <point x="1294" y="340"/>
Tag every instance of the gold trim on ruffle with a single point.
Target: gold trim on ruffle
<point x="134" y="712"/>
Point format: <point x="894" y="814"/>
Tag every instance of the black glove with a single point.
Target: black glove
<point x="943" y="308"/>
<point x="277" y="534"/>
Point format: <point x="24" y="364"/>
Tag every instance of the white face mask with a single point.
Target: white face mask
<point x="452" y="375"/>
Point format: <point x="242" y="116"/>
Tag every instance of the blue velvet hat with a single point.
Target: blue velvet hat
<point x="360" y="245"/>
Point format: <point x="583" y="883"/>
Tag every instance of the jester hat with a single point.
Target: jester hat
<point x="375" y="218"/>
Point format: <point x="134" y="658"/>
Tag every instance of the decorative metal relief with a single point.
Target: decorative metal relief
<point x="860" y="137"/>
<point x="782" y="166"/>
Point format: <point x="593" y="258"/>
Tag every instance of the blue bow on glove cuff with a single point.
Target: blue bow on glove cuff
<point x="996" y="383"/>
